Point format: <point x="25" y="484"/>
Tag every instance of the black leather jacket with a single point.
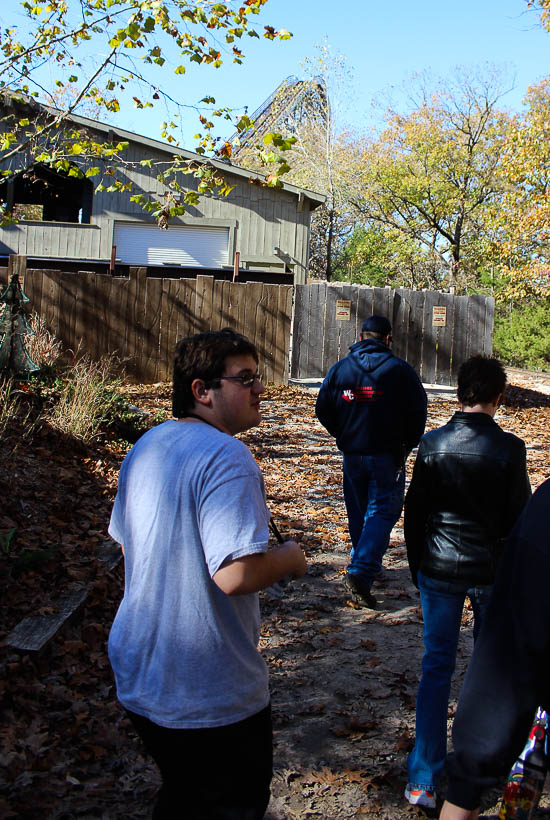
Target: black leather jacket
<point x="469" y="486"/>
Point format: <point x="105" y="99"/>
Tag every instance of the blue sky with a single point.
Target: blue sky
<point x="383" y="42"/>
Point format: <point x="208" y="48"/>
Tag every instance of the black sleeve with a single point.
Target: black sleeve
<point x="508" y="676"/>
<point x="417" y="510"/>
<point x="416" y="411"/>
<point x="520" y="488"/>
<point x="324" y="408"/>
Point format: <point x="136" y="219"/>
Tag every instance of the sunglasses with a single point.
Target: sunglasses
<point x="246" y="381"/>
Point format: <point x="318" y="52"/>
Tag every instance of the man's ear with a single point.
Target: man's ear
<point x="200" y="392"/>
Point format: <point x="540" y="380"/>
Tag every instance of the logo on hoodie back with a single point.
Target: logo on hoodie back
<point x="362" y="394"/>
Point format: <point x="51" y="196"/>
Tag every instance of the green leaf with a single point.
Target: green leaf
<point x="134" y="31"/>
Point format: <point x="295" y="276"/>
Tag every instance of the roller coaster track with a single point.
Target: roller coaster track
<point x="292" y="102"/>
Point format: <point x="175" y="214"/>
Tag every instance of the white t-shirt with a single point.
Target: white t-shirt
<point x="183" y="652"/>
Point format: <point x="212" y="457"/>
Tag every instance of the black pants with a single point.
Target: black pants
<point x="222" y="773"/>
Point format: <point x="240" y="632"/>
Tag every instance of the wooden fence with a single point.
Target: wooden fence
<point x="140" y="318"/>
<point x="435" y="332"/>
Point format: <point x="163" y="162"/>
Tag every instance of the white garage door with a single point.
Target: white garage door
<point x="139" y="244"/>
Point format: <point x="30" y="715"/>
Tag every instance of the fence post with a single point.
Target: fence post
<point x="17" y="264"/>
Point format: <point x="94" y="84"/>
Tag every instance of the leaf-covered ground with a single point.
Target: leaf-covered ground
<point x="343" y="679"/>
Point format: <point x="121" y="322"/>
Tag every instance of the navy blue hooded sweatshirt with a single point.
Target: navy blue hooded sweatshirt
<point x="373" y="402"/>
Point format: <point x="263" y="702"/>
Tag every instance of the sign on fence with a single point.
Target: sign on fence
<point x="343" y="310"/>
<point x="435" y="332"/>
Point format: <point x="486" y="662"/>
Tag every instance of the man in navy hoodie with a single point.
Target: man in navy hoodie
<point x="374" y="405"/>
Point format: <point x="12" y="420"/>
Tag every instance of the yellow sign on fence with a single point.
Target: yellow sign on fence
<point x="343" y="310"/>
<point x="439" y="316"/>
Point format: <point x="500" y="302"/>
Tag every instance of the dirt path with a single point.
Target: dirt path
<point x="343" y="679"/>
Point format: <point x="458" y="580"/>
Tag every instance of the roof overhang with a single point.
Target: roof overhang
<point x="114" y="133"/>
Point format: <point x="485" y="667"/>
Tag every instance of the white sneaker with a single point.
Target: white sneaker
<point x="420" y="796"/>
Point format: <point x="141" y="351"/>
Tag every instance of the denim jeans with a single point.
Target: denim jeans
<point x="374" y="487"/>
<point x="442" y="607"/>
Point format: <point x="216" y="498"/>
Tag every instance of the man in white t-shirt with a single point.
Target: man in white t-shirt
<point x="191" y="515"/>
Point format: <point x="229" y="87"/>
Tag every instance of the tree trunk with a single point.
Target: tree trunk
<point x="330" y="239"/>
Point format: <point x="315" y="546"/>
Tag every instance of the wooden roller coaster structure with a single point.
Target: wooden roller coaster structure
<point x="293" y="101"/>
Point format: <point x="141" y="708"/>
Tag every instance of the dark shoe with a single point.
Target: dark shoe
<point x="360" y="592"/>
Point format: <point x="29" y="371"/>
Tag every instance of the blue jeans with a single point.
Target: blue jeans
<point x="374" y="487"/>
<point x="442" y="607"/>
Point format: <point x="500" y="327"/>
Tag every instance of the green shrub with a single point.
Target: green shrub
<point x="522" y="336"/>
<point x="126" y="423"/>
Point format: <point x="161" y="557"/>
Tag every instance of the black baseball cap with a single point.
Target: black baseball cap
<point x="377" y="324"/>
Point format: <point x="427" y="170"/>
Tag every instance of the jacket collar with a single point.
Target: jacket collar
<point x="472" y="418"/>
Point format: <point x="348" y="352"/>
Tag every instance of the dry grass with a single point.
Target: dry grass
<point x="15" y="413"/>
<point x="9" y="406"/>
<point x="42" y="346"/>
<point x="87" y="397"/>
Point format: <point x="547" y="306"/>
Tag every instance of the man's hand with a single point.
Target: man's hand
<point x="452" y="812"/>
<point x="255" y="572"/>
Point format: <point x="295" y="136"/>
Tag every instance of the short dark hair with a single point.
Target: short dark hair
<point x="370" y="334"/>
<point x="480" y="380"/>
<point x="376" y="326"/>
<point x="203" y="356"/>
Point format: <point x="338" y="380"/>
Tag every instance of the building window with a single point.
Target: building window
<point x="44" y="195"/>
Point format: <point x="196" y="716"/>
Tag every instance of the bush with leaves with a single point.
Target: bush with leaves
<point x="522" y="336"/>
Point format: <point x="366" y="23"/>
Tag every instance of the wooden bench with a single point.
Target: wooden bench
<point x="35" y="632"/>
<point x="32" y="634"/>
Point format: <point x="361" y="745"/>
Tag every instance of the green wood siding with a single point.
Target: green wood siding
<point x="260" y="219"/>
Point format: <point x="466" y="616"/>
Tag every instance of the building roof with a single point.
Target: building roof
<point x="223" y="166"/>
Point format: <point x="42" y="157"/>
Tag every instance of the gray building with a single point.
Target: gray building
<point x="62" y="222"/>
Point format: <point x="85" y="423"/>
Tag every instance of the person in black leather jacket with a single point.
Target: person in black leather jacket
<point x="469" y="486"/>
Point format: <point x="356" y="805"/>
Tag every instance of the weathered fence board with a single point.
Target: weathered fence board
<point x="444" y="342"/>
<point x="141" y="318"/>
<point x="435" y="332"/>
